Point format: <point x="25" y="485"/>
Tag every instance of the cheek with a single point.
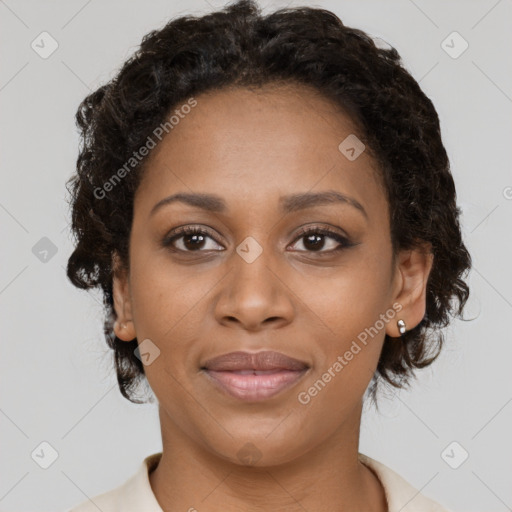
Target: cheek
<point x="348" y="316"/>
<point x="350" y="300"/>
<point x="162" y="295"/>
<point x="348" y="354"/>
<point x="169" y="308"/>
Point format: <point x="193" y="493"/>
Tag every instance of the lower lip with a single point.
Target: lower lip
<point x="254" y="387"/>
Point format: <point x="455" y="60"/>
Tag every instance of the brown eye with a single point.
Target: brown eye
<point x="192" y="240"/>
<point x="314" y="240"/>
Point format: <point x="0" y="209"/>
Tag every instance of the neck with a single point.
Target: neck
<point x="189" y="477"/>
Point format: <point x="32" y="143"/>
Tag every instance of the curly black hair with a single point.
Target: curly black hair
<point x="239" y="47"/>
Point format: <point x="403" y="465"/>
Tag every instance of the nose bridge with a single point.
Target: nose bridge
<point x="253" y="292"/>
<point x="253" y="261"/>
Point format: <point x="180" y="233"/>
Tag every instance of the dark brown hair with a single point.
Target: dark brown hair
<point x="238" y="46"/>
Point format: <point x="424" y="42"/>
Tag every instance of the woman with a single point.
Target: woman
<point x="267" y="205"/>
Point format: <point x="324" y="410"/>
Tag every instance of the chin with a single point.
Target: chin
<point x="260" y="449"/>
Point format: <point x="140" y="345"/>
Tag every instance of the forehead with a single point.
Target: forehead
<point x="257" y="144"/>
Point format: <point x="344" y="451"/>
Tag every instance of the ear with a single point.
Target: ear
<point x="123" y="327"/>
<point x="410" y="286"/>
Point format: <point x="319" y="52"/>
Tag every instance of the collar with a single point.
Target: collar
<point x="136" y="493"/>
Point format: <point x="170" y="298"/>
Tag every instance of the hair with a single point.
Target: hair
<point x="239" y="47"/>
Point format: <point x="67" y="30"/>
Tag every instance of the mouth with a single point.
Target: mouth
<point x="254" y="376"/>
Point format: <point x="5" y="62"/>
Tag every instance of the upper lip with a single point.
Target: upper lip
<point x="267" y="360"/>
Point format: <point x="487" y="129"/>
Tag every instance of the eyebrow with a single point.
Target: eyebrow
<point x="289" y="203"/>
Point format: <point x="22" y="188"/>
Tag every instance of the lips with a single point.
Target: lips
<point x="259" y="361"/>
<point x="254" y="376"/>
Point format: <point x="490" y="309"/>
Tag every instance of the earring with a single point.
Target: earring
<point x="401" y="327"/>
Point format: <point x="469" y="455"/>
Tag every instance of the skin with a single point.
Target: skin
<point x="250" y="147"/>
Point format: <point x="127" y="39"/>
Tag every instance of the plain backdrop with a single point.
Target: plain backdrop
<point x="57" y="380"/>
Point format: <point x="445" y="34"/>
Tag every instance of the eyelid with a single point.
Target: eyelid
<point x="328" y="231"/>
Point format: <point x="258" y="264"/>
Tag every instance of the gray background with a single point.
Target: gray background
<point x="57" y="381"/>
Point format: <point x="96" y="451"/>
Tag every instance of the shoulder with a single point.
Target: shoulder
<point x="400" y="494"/>
<point x="132" y="496"/>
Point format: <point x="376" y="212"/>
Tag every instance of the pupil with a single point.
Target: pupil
<point x="314" y="241"/>
<point x="198" y="240"/>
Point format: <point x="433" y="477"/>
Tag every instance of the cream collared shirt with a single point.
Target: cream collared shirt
<point x="136" y="495"/>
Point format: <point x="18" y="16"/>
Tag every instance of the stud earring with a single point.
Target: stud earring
<point x="401" y="327"/>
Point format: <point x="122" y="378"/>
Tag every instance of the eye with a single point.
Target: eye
<point x="192" y="239"/>
<point x="315" y="239"/>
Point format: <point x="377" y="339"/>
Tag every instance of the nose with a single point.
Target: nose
<point x="253" y="296"/>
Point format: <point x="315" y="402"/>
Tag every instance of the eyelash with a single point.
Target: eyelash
<point x="187" y="230"/>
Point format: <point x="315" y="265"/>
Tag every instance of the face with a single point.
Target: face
<point x="250" y="280"/>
